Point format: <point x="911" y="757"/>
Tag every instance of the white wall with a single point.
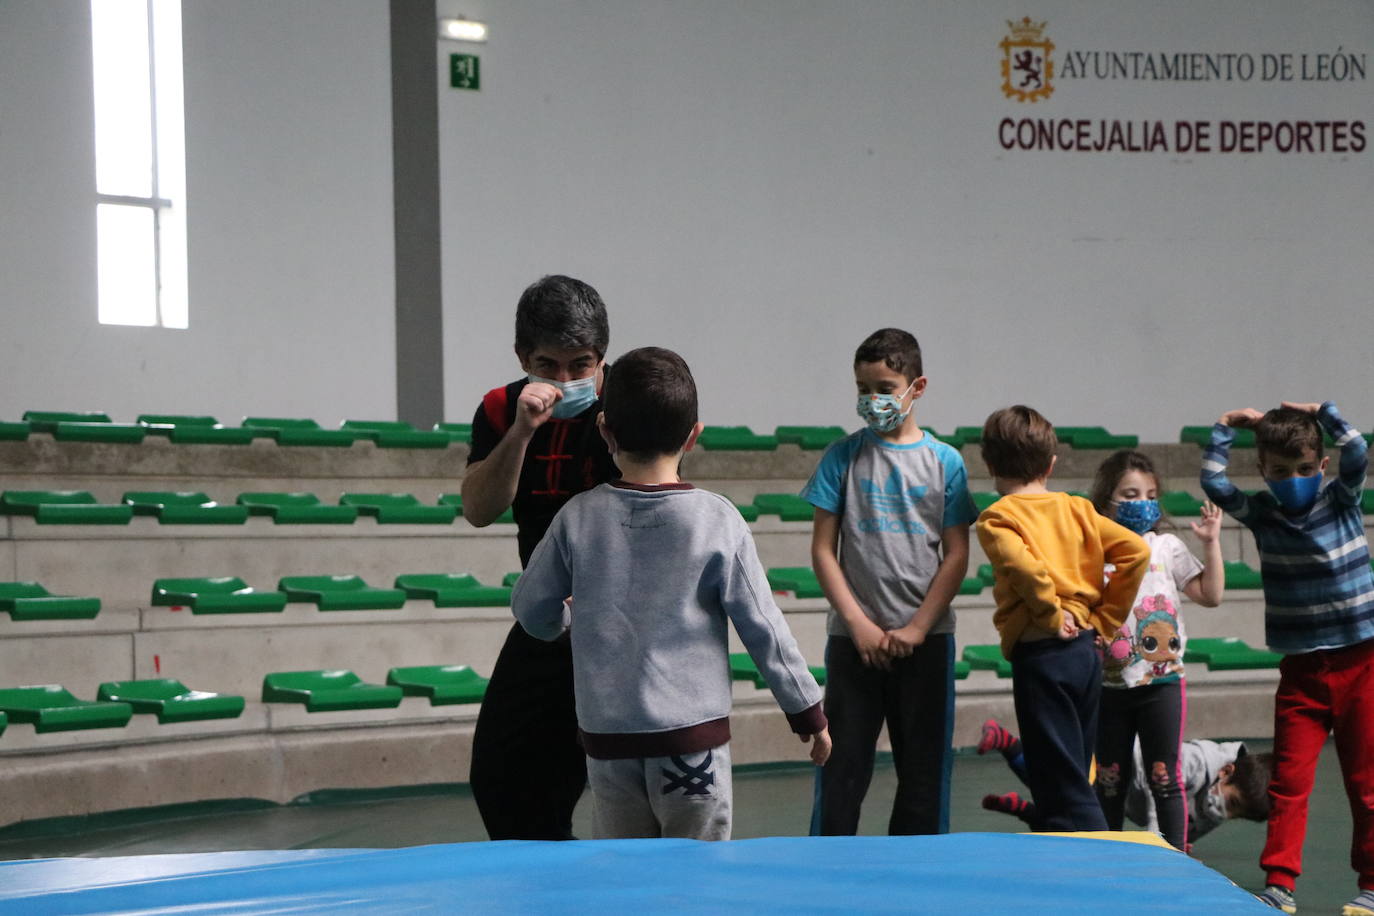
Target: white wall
<point x="288" y="139"/>
<point x="759" y="185"/>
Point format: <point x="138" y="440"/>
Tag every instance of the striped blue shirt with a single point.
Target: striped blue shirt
<point x="1318" y="587"/>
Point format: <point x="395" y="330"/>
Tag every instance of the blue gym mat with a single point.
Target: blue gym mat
<point x="957" y="873"/>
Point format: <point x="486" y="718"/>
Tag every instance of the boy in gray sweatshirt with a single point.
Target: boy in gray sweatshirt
<point x="646" y="571"/>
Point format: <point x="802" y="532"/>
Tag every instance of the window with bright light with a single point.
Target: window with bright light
<point x="140" y="155"/>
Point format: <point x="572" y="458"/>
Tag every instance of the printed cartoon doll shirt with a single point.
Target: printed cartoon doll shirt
<point x="1148" y="648"/>
<point x="894" y="502"/>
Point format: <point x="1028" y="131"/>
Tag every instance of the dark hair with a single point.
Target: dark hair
<point x="1018" y="444"/>
<point x="897" y="349"/>
<point x="650" y="402"/>
<point x="1287" y="431"/>
<point x="558" y="311"/>
<point x="1110" y="472"/>
<point x="1252" y="776"/>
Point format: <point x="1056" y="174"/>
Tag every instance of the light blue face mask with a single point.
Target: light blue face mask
<point x="1296" y="493"/>
<point x="578" y="395"/>
<point x="1139" y="515"/>
<point x="883" y="412"/>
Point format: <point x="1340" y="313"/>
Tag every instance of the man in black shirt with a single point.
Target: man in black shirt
<point x="534" y="446"/>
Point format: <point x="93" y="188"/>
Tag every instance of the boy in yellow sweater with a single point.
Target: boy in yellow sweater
<point x="1048" y="551"/>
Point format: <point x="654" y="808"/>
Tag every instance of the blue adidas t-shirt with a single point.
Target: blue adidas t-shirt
<point x="893" y="501"/>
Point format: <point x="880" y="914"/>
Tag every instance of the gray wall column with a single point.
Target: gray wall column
<point x="415" y="154"/>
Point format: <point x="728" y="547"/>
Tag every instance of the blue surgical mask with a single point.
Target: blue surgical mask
<point x="1296" y="493"/>
<point x="883" y="412"/>
<point x="578" y="395"/>
<point x="1139" y="515"/>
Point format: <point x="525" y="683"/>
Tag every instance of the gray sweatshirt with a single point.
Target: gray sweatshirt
<point x="654" y="574"/>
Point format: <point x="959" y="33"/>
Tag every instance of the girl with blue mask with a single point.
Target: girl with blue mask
<point x="1144" y="693"/>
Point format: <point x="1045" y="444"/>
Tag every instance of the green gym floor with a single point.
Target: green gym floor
<point x="769" y="801"/>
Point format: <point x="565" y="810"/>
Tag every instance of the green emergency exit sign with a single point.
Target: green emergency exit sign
<point x="464" y="71"/>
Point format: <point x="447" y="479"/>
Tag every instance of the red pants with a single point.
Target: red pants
<point x="1320" y="692"/>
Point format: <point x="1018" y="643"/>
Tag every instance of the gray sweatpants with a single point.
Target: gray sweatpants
<point x="685" y="796"/>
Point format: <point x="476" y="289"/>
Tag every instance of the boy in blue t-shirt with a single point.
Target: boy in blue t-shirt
<point x="890" y="547"/>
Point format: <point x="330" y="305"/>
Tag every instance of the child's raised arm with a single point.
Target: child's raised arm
<point x="1217" y="457"/>
<point x="1207" y="586"/>
<point x="1354" y="463"/>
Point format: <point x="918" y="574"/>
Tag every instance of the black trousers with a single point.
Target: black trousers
<point x="1056" y="685"/>
<point x="1155" y="713"/>
<point x="916" y="699"/>
<point x="528" y="770"/>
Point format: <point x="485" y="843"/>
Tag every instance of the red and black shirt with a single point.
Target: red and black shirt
<point x="564" y="458"/>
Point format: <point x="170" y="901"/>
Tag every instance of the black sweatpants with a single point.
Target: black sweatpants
<point x="1155" y="713"/>
<point x="528" y="770"/>
<point x="916" y="699"/>
<point x="1056" y="685"/>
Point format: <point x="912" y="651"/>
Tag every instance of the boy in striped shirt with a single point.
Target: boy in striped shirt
<point x="1319" y="612"/>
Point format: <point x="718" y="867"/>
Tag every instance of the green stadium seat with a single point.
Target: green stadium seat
<point x="328" y="691"/>
<point x="749" y="513"/>
<point x="1180" y="503"/>
<point x="736" y="438"/>
<point x="786" y="506"/>
<point x="1228" y="653"/>
<point x="399" y="509"/>
<point x="171" y="701"/>
<point x="987" y="658"/>
<point x="13" y="432"/>
<point x="969" y="435"/>
<point x="63" y="507"/>
<point x="809" y="437"/>
<point x="954" y="439"/>
<point x="45" y="421"/>
<point x="445" y="685"/>
<point x="300" y="432"/>
<point x="742" y="668"/>
<point x="961" y="669"/>
<point x="397" y="434"/>
<point x="4" y="721"/>
<point x="457" y="432"/>
<point x="971" y="586"/>
<point x="456" y="500"/>
<point x="799" y="580"/>
<point x="1240" y="575"/>
<point x="297" y="509"/>
<point x="341" y="593"/>
<point x="52" y="708"/>
<point x="218" y="595"/>
<point x="184" y="508"/>
<point x="31" y="601"/>
<point x="193" y="430"/>
<point x="1367" y="501"/>
<point x="510" y="579"/>
<point x="982" y="499"/>
<point x="453" y="590"/>
<point x="83" y="427"/>
<point x="1202" y="436"/>
<point x="1094" y="437"/>
<point x="987" y="575"/>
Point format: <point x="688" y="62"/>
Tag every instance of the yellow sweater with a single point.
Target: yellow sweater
<point x="1047" y="552"/>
